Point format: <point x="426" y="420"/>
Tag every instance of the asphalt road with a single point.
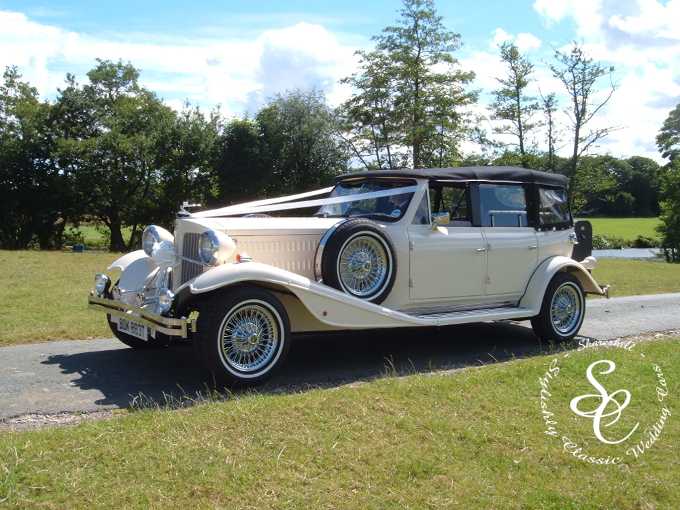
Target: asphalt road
<point x="73" y="376"/>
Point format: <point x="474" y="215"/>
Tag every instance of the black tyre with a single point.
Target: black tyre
<point x="359" y="259"/>
<point x="243" y="335"/>
<point x="562" y="311"/>
<point x="159" y="342"/>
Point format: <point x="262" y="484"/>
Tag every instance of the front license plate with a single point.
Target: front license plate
<point x="132" y="328"/>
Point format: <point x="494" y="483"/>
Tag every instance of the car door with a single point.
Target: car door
<point x="512" y="246"/>
<point x="447" y="263"/>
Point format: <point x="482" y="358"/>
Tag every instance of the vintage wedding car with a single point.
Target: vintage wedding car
<point x="380" y="249"/>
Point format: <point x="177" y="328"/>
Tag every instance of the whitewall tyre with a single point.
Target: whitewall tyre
<point x="359" y="259"/>
<point x="243" y="335"/>
<point x="562" y="311"/>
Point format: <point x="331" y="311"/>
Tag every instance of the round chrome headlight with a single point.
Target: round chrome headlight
<point x="101" y="281"/>
<point x="215" y="248"/>
<point x="154" y="235"/>
<point x="209" y="247"/>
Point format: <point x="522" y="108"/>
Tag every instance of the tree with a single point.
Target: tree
<point x="35" y="197"/>
<point x="300" y="147"/>
<point x="668" y="139"/>
<point x="414" y="80"/>
<point x="368" y="117"/>
<point x="670" y="211"/>
<point x="239" y="164"/>
<point x="112" y="137"/>
<point x="511" y="103"/>
<point x="581" y="77"/>
<point x="549" y="108"/>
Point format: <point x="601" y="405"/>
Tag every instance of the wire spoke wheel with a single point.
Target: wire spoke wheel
<point x="566" y="308"/>
<point x="363" y="265"/>
<point x="249" y="336"/>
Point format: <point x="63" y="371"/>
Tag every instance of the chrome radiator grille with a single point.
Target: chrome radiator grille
<point x="190" y="269"/>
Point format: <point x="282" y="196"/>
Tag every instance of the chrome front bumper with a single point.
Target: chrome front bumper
<point x="166" y="325"/>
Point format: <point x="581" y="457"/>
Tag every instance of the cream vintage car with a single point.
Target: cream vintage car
<point x="380" y="249"/>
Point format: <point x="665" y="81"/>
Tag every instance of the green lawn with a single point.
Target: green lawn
<point x="631" y="277"/>
<point x="474" y="438"/>
<point x="94" y="235"/>
<point x="43" y="294"/>
<point x="625" y="228"/>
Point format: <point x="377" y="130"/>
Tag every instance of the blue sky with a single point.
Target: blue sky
<point x="238" y="53"/>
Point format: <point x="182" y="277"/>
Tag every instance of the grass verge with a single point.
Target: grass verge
<point x="474" y="438"/>
<point x="634" y="277"/>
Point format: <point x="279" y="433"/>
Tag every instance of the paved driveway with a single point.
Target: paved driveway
<point x="104" y="374"/>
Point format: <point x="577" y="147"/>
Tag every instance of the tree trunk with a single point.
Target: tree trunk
<point x="117" y="243"/>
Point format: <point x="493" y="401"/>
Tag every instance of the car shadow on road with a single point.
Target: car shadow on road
<point x="132" y="379"/>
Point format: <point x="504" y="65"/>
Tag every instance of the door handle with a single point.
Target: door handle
<point x="480" y="250"/>
<point x="533" y="246"/>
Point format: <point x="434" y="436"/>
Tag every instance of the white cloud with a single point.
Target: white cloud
<point x="640" y="38"/>
<point x="236" y="73"/>
<point x="524" y="41"/>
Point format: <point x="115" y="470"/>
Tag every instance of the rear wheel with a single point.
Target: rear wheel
<point x="562" y="311"/>
<point x="159" y="342"/>
<point x="243" y="335"/>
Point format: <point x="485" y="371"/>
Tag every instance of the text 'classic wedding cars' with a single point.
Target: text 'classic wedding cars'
<point x="382" y="249"/>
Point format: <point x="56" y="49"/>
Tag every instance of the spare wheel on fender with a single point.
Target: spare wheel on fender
<point x="358" y="258"/>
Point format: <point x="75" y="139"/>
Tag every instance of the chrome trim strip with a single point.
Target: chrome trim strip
<point x="319" y="249"/>
<point x="167" y="325"/>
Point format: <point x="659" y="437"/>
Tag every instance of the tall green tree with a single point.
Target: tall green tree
<point x="668" y="139"/>
<point x="300" y="145"/>
<point x="670" y="210"/>
<point x="35" y="197"/>
<point x="581" y="77"/>
<point x="549" y="108"/>
<point x="421" y="90"/>
<point x="512" y="105"/>
<point x="112" y="136"/>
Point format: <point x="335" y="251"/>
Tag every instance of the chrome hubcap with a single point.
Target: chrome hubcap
<point x="249" y="338"/>
<point x="363" y="266"/>
<point x="565" y="308"/>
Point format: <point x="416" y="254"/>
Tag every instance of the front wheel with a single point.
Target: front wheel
<point x="243" y="335"/>
<point x="562" y="311"/>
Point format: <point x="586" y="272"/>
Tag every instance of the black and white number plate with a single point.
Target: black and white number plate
<point x="132" y="328"/>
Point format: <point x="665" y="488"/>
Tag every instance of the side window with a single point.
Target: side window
<point x="503" y="205"/>
<point x="553" y="206"/>
<point x="453" y="199"/>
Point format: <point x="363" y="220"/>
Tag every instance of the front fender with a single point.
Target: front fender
<point x="533" y="296"/>
<point x="135" y="268"/>
<point x="327" y="305"/>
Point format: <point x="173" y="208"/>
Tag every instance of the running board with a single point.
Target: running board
<point x="479" y="315"/>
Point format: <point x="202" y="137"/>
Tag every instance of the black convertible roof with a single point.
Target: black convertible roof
<point x="467" y="173"/>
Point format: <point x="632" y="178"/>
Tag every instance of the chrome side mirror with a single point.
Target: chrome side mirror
<point x="440" y="219"/>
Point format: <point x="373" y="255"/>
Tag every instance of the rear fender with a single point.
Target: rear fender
<point x="533" y="296"/>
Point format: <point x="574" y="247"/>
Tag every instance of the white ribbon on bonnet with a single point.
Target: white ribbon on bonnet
<point x="287" y="202"/>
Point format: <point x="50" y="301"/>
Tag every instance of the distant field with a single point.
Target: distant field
<point x="625" y="228"/>
<point x="97" y="236"/>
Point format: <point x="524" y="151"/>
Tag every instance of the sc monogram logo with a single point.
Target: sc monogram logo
<point x="609" y="405"/>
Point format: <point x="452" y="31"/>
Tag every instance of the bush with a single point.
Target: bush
<point x="601" y="242"/>
<point x="73" y="236"/>
<point x="646" y="242"/>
